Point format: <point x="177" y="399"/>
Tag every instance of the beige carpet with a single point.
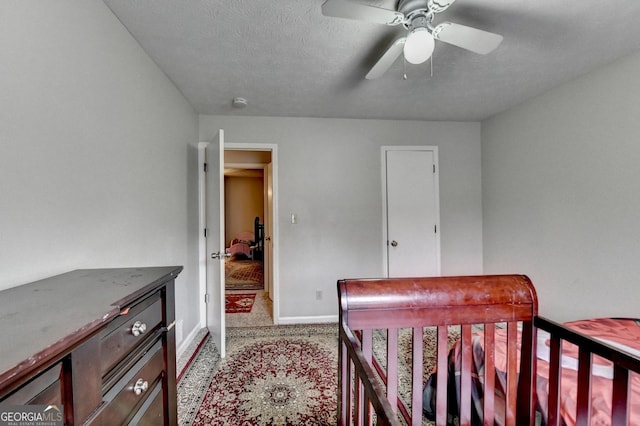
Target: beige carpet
<point x="260" y="315"/>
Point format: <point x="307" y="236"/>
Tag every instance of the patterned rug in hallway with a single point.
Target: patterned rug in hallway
<point x="243" y="275"/>
<point x="278" y="376"/>
<point x="239" y="303"/>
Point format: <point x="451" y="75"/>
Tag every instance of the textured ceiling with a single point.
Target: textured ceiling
<point x="287" y="59"/>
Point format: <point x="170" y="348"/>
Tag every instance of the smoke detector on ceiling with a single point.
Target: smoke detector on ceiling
<point x="239" y="103"/>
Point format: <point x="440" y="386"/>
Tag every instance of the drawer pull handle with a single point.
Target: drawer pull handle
<point x="138" y="328"/>
<point x="140" y="387"/>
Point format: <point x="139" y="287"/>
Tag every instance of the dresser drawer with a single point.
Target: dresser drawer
<point x="131" y="392"/>
<point x="152" y="411"/>
<point x="45" y="389"/>
<point x="130" y="330"/>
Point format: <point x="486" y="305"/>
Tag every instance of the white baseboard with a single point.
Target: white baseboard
<point x="308" y="320"/>
<point x="187" y="341"/>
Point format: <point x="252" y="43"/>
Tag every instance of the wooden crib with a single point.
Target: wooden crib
<point x="373" y="364"/>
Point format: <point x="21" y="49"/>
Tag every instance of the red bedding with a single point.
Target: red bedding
<point x="624" y="334"/>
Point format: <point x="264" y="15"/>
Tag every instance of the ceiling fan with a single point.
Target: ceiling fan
<point x="417" y="17"/>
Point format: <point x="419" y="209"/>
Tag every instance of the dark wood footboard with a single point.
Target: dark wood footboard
<point x="507" y="366"/>
<point x="368" y="386"/>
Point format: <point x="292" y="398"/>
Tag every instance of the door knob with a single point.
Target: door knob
<point x="220" y="255"/>
<point x="268" y="239"/>
<point x="394" y="243"/>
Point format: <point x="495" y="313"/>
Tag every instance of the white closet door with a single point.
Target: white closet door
<point x="412" y="218"/>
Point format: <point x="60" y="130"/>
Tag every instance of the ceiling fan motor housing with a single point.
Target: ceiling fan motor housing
<point x="410" y="7"/>
<point x="429" y="7"/>
<point x="416" y="12"/>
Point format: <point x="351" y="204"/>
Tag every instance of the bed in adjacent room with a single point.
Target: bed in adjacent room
<point x="242" y="270"/>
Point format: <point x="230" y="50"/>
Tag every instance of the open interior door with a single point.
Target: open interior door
<point x="268" y="231"/>
<point x="214" y="155"/>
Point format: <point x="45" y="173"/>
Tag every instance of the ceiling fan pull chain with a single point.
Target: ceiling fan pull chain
<point x="431" y="65"/>
<point x="404" y="66"/>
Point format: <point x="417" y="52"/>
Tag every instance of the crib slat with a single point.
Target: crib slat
<point x="554" y="381"/>
<point x="465" y="376"/>
<point x="366" y="413"/>
<point x="416" y="397"/>
<point x="367" y="344"/>
<point x="619" y="409"/>
<point x="367" y="350"/>
<point x="352" y="401"/>
<point x="357" y="408"/>
<point x="512" y="376"/>
<point x="489" y="374"/>
<point x="583" y="399"/>
<point x="344" y="383"/>
<point x="525" y="409"/>
<point x="441" y="383"/>
<point x="392" y="367"/>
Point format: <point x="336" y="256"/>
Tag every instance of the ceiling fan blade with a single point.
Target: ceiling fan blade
<point x="472" y="39"/>
<point x="361" y="12"/>
<point x="387" y="59"/>
<point x="438" y="6"/>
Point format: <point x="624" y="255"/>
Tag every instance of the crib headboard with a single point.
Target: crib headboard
<point x="395" y="303"/>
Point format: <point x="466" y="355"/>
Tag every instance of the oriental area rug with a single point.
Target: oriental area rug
<point x="280" y="376"/>
<point x="239" y="303"/>
<point x="243" y="275"/>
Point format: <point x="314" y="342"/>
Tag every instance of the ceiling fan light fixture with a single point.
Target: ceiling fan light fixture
<point x="419" y="45"/>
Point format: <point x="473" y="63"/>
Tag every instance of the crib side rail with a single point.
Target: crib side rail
<point x="358" y="389"/>
<point x="623" y="364"/>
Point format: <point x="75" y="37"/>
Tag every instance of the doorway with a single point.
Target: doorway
<point x="211" y="176"/>
<point x="411" y="218"/>
<point x="248" y="237"/>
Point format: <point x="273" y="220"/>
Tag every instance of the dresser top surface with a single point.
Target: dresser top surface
<point x="37" y="317"/>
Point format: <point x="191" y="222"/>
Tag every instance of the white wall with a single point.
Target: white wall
<point x="94" y="150"/>
<point x="561" y="185"/>
<point x="330" y="176"/>
<point x="244" y="201"/>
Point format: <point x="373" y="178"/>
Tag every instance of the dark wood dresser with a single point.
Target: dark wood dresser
<point x="99" y="342"/>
